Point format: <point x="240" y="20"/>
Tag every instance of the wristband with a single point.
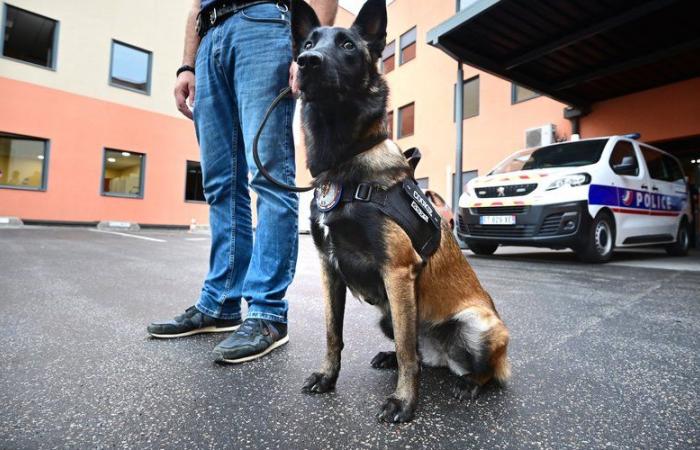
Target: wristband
<point x="184" y="68"/>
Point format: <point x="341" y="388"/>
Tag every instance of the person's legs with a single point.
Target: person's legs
<point x="263" y="56"/>
<point x="225" y="175"/>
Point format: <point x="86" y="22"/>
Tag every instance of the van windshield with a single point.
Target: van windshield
<point x="565" y="154"/>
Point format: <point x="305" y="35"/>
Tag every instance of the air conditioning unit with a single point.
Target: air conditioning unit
<point x="539" y="136"/>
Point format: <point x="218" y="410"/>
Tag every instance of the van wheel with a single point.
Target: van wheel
<point x="680" y="247"/>
<point x="482" y="248"/>
<point x="600" y="240"/>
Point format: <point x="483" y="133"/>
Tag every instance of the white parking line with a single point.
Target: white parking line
<point x="196" y="239"/>
<point x="128" y="235"/>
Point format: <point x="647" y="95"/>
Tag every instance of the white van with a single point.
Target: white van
<point x="590" y="195"/>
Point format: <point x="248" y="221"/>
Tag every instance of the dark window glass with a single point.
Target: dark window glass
<point x="130" y="68"/>
<point x="194" y="192"/>
<point x="565" y="154"/>
<point x="408" y="46"/>
<point x="22" y="162"/>
<point x="520" y="93"/>
<point x="622" y="155"/>
<point x="406" y="118"/>
<point x="673" y="169"/>
<point x="388" y="58"/>
<point x="390" y="124"/>
<point x="29" y="37"/>
<point x="470" y="98"/>
<point x="123" y="174"/>
<point x="423" y="183"/>
<point x="655" y="163"/>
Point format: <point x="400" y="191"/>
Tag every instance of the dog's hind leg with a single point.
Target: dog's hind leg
<point x="334" y="297"/>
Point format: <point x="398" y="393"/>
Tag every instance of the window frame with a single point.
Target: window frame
<point x="414" y="42"/>
<point x="513" y="90"/>
<point x="45" y="163"/>
<point x="399" y="128"/>
<point x="142" y="175"/>
<point x="187" y="161"/>
<point x="642" y="149"/>
<point x="54" y="47"/>
<point x="111" y="66"/>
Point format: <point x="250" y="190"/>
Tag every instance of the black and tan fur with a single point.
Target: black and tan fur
<point x="436" y="311"/>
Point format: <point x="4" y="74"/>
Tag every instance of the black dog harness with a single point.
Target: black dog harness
<point x="404" y="202"/>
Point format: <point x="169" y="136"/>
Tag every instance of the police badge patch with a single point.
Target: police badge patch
<point x="328" y="196"/>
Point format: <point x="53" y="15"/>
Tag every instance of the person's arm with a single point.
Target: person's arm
<point x="326" y="11"/>
<point x="184" y="85"/>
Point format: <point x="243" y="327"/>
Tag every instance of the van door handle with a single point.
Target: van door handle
<point x="654" y="188"/>
<point x="644" y="186"/>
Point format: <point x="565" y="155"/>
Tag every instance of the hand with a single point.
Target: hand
<point x="184" y="93"/>
<point x="293" y="82"/>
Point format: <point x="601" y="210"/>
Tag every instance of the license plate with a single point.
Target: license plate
<point x="497" y="220"/>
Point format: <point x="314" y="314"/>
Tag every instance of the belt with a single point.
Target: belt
<point x="212" y="16"/>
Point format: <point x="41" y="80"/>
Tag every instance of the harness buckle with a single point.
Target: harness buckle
<point x="363" y="192"/>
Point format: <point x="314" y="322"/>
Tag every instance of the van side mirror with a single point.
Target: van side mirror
<point x="628" y="166"/>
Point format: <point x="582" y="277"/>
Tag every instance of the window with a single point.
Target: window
<point x="564" y="154"/>
<point x="194" y="190"/>
<point x="406" y="118"/>
<point x="408" y="46"/>
<point x="130" y="68"/>
<point x="423" y="183"/>
<point x="673" y="170"/>
<point x="29" y="37"/>
<point x="23" y="162"/>
<point x="470" y="98"/>
<point x="388" y="58"/>
<point x="520" y="93"/>
<point x="390" y="124"/>
<point x="655" y="163"/>
<point x="623" y="159"/>
<point x="467" y="176"/>
<point x="122" y="175"/>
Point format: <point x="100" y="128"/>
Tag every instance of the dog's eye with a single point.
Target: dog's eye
<point x="347" y="45"/>
<point x="308" y="45"/>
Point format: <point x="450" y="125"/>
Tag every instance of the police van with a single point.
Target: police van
<point x="589" y="195"/>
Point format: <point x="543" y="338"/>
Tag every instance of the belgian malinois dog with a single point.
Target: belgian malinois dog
<point x="435" y="310"/>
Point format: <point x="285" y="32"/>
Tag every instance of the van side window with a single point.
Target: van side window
<point x="623" y="160"/>
<point x="673" y="170"/>
<point x="655" y="163"/>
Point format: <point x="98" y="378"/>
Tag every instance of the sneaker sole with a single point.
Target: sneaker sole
<point x="277" y="344"/>
<point x="197" y="331"/>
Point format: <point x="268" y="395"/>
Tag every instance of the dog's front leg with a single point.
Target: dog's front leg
<point x="334" y="291"/>
<point x="400" y="288"/>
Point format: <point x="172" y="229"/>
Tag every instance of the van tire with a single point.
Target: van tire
<point x="599" y="242"/>
<point x="680" y="247"/>
<point x="482" y="248"/>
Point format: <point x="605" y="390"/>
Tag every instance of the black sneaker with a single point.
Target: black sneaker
<point x="255" y="338"/>
<point x="191" y="322"/>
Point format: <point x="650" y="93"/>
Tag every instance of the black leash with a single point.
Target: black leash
<point x="283" y="93"/>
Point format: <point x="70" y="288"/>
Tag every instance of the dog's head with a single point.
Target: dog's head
<point x="336" y="61"/>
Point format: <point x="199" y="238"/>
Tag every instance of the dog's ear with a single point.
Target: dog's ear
<point x="304" y="20"/>
<point x="371" y="25"/>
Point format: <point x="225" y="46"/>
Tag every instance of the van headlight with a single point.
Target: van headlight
<point x="578" y="179"/>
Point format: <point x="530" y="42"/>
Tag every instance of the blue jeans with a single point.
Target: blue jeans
<point x="242" y="64"/>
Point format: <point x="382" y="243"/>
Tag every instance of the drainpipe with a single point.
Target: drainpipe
<point x="459" y="115"/>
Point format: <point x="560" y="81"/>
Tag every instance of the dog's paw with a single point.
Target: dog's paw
<point x="385" y="360"/>
<point x="465" y="388"/>
<point x="319" y="383"/>
<point x="396" y="410"/>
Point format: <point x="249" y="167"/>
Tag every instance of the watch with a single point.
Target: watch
<point x="184" y="68"/>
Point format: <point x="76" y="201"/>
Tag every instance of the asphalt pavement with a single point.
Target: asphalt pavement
<point x="603" y="356"/>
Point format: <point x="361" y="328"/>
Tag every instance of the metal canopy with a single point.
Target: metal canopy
<point x="577" y="51"/>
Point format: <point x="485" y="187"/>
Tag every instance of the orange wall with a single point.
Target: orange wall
<point x="667" y="112"/>
<point x="78" y="129"/>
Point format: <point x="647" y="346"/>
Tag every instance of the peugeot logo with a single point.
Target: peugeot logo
<point x="501" y="191"/>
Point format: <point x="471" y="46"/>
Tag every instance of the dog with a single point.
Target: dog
<point x="434" y="308"/>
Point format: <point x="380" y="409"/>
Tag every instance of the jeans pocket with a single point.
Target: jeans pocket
<point x="266" y="12"/>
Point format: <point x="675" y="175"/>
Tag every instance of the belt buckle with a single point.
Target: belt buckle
<point x="368" y="193"/>
<point x="213" y="16"/>
<point x="282" y="7"/>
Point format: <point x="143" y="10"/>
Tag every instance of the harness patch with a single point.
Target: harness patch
<point x="328" y="196"/>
